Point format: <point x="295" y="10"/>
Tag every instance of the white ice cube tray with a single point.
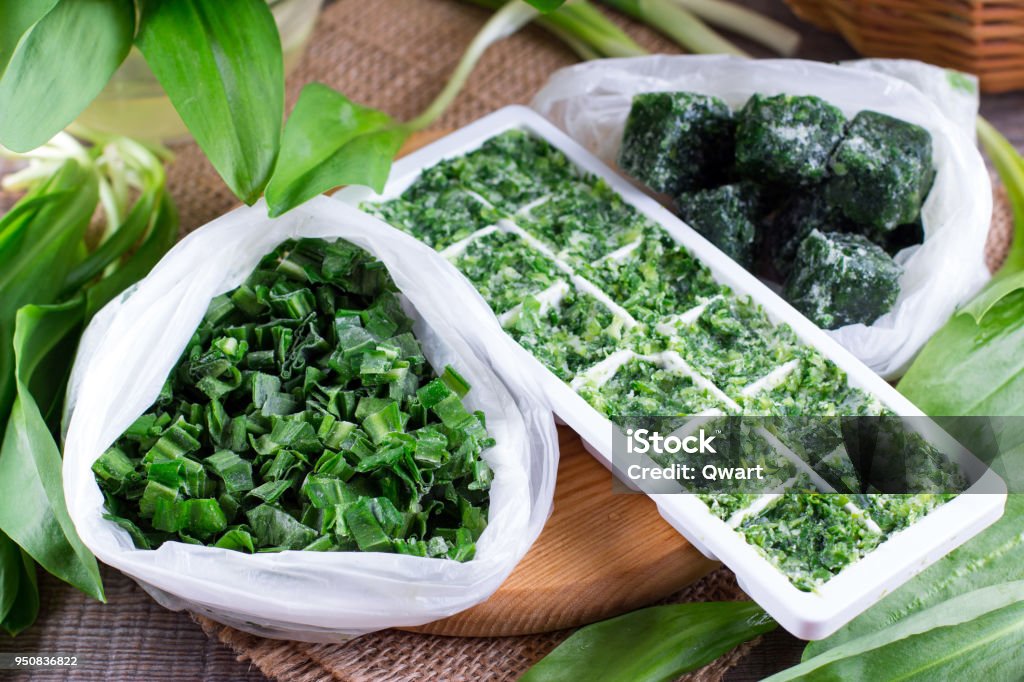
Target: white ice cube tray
<point x="809" y="615"/>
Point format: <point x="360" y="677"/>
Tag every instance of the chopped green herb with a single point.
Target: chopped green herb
<point x="505" y="270"/>
<point x="303" y="415"/>
<point x="640" y="387"/>
<point x="584" y="221"/>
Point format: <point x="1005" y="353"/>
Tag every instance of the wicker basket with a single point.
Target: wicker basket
<point x="983" y="37"/>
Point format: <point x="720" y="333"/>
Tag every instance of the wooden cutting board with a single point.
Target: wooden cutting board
<point x="600" y="554"/>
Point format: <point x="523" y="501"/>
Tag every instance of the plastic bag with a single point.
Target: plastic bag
<point x="126" y="354"/>
<point x="590" y="102"/>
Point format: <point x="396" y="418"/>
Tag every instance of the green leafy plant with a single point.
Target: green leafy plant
<point x="222" y="70"/>
<point x="58" y="266"/>
<point x="655" y="644"/>
<point x="973" y="364"/>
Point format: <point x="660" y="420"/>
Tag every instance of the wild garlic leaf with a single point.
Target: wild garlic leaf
<point x="223" y="70"/>
<point x="1010" y="166"/>
<point x="10" y="573"/>
<point x="546" y="5"/>
<point x="655" y="644"/>
<point x="331" y="141"/>
<point x="19" y="16"/>
<point x="976" y="633"/>
<point x="59" y="66"/>
<point x="33" y="513"/>
<point x="970" y="368"/>
<point x="40" y="236"/>
<point x="25" y="608"/>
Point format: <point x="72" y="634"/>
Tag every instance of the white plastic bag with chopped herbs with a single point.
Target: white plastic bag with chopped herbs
<point x="129" y="349"/>
<point x="591" y="102"/>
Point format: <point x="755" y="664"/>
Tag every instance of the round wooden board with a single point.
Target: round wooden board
<point x="600" y="554"/>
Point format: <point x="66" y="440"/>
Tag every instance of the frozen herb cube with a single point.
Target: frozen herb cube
<point x="641" y="388"/>
<point x="740" y="443"/>
<point x="841" y="279"/>
<point x="810" y="538"/>
<point x="733" y="343"/>
<point x="724" y="505"/>
<point x="677" y="141"/>
<point x="787" y="139"/>
<point x="726" y="216"/>
<point x="437" y="216"/>
<point x="574" y="334"/>
<point x="803" y="211"/>
<point x="545" y="166"/>
<point x="656" y="278"/>
<point x="894" y="512"/>
<point x="810" y="438"/>
<point x="509" y="170"/>
<point x="816" y="387"/>
<point x="583" y="221"/>
<point x="881" y="171"/>
<point x="505" y="270"/>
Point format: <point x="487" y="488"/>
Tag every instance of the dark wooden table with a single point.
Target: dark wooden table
<point x="143" y="641"/>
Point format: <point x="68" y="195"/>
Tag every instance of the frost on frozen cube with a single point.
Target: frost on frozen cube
<point x="841" y="279"/>
<point x="726" y="216"/>
<point x="677" y="141"/>
<point x="787" y="139"/>
<point x="881" y="171"/>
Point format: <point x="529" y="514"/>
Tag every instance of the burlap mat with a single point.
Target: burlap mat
<point x="395" y="55"/>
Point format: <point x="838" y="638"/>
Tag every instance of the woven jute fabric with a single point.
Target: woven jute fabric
<point x="395" y="656"/>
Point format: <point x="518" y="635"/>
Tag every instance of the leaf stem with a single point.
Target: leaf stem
<point x="668" y="17"/>
<point x="502" y="24"/>
<point x="745" y="22"/>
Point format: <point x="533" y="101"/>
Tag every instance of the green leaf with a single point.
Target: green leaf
<point x="161" y="237"/>
<point x="222" y="69"/>
<point x="546" y="5"/>
<point x="10" y="573"/>
<point x="59" y="66"/>
<point x="19" y="16"/>
<point x="41" y="236"/>
<point x="969" y="368"/>
<point x="653" y="644"/>
<point x="25" y="608"/>
<point x="34" y="514"/>
<point x="330" y="141"/>
<point x="1010" y="166"/>
<point x="992" y="557"/>
<point x="980" y="632"/>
